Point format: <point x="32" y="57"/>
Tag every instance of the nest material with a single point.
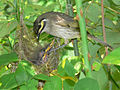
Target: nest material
<point x="29" y="49"/>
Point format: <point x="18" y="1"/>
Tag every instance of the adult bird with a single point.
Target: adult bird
<point x="60" y="25"/>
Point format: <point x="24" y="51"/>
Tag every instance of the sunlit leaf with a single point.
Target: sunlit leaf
<point x="113" y="57"/>
<point x="55" y="82"/>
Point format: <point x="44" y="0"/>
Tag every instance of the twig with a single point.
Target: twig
<point x="103" y="26"/>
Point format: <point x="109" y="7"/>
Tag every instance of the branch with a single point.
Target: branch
<point x="84" y="37"/>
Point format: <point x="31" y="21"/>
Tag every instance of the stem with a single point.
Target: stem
<point x="75" y="43"/>
<point x="107" y="7"/>
<point x="103" y="26"/>
<point x="84" y="37"/>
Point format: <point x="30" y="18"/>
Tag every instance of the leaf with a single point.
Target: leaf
<point x="101" y="77"/>
<point x="27" y="66"/>
<point x="41" y="77"/>
<point x="96" y="66"/>
<point x="8" y="81"/>
<point x="30" y="85"/>
<point x="109" y="23"/>
<point x="69" y="68"/>
<point x="93" y="12"/>
<point x="6" y="28"/>
<point x="118" y="67"/>
<point x="68" y="84"/>
<point x="4" y="70"/>
<point x="113" y="57"/>
<point x="112" y="38"/>
<point x="93" y="47"/>
<point x="21" y="75"/>
<point x="117" y="2"/>
<point x="8" y="58"/>
<point x="86" y="84"/>
<point x="55" y="83"/>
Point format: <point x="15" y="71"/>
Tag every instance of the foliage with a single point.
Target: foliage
<point x="18" y="73"/>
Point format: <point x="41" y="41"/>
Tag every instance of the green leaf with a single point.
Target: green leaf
<point x="113" y="57"/>
<point x="93" y="47"/>
<point x="109" y="23"/>
<point x="30" y="85"/>
<point x="117" y="2"/>
<point x="21" y="75"/>
<point x="41" y="77"/>
<point x="69" y="68"/>
<point x="8" y="58"/>
<point x="68" y="84"/>
<point x="118" y="67"/>
<point x="4" y="70"/>
<point x="96" y="66"/>
<point x="55" y="83"/>
<point x="8" y="81"/>
<point x="6" y="28"/>
<point x="93" y="12"/>
<point x="114" y="40"/>
<point x="27" y="66"/>
<point x="86" y="84"/>
<point x="101" y="77"/>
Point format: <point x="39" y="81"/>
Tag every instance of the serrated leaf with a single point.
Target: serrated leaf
<point x="113" y="57"/>
<point x="8" y="58"/>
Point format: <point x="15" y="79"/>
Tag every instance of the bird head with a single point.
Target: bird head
<point x="39" y="26"/>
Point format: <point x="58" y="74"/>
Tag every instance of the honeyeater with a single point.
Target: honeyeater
<point x="60" y="25"/>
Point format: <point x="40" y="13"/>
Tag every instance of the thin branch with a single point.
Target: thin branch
<point x="103" y="26"/>
<point x="108" y="8"/>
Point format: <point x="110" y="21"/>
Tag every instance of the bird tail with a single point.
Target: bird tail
<point x="99" y="41"/>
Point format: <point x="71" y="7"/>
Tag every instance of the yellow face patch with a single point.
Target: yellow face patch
<point x="42" y="25"/>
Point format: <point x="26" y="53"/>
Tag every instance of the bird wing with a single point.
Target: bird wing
<point x="66" y="21"/>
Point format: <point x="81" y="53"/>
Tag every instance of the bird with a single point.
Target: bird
<point x="61" y="25"/>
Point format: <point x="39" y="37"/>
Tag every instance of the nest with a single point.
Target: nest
<point x="43" y="58"/>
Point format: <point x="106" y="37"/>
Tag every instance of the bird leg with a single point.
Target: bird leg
<point x="60" y="46"/>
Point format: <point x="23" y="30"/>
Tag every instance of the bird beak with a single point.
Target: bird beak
<point x="43" y="23"/>
<point x="38" y="36"/>
<point x="39" y="32"/>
